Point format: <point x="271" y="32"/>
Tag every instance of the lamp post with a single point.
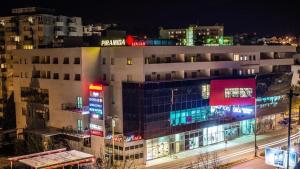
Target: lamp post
<point x="255" y="131"/>
<point x="255" y="124"/>
<point x="290" y="95"/>
<point x="113" y="124"/>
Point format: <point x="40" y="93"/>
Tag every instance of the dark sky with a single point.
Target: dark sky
<point x="264" y="17"/>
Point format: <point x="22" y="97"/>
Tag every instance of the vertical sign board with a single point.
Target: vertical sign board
<point x="96" y="109"/>
<point x="278" y="158"/>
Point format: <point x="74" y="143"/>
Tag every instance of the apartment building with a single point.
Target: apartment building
<point x="30" y="28"/>
<point x="55" y="91"/>
<point x="195" y="35"/>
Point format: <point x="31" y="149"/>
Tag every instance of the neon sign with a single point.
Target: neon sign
<point x="131" y="41"/>
<point x="95" y="127"/>
<point x="96" y="87"/>
<point x="113" y="42"/>
<point x="133" y="138"/>
<point x="96" y="101"/>
<point x="96" y="133"/>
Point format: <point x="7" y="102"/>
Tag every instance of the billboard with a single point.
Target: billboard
<point x="232" y="92"/>
<point x="278" y="158"/>
<point x="96" y="109"/>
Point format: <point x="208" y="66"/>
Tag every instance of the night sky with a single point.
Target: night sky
<point x="264" y="17"/>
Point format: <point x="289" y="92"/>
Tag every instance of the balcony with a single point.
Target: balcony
<point x="268" y="62"/>
<point x="59" y="23"/>
<point x="167" y="67"/>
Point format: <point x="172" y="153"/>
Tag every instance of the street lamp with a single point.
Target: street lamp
<point x="255" y="124"/>
<point x="113" y="124"/>
<point x="290" y="94"/>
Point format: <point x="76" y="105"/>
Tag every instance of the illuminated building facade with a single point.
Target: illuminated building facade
<point x="29" y="28"/>
<point x="164" y="99"/>
<point x="196" y="35"/>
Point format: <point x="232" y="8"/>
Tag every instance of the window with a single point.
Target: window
<point x="79" y="102"/>
<point x="67" y="76"/>
<point x="55" y="60"/>
<point x="79" y="125"/>
<point x="129" y="61"/>
<point x="48" y="75"/>
<point x="45" y="60"/>
<point x="238" y="92"/>
<point x="112" y="77"/>
<point x="253" y="57"/>
<point x="104" y="77"/>
<point x="35" y="59"/>
<point x="77" y="77"/>
<point x="87" y="142"/>
<point x="55" y="76"/>
<point x="205" y="91"/>
<point x="112" y="61"/>
<point x="236" y="57"/>
<point x="66" y="60"/>
<point x="77" y="60"/>
<point x="103" y="61"/>
<point x="126" y="148"/>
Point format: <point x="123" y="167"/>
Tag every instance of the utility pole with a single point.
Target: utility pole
<point x="255" y="131"/>
<point x="255" y="124"/>
<point x="113" y="124"/>
<point x="290" y="94"/>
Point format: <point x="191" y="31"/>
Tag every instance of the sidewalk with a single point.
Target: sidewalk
<point x="232" y="145"/>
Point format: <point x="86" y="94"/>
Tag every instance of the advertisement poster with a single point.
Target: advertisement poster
<point x="278" y="158"/>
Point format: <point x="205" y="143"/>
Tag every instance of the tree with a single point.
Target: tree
<point x="206" y="161"/>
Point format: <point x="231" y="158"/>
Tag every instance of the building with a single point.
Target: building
<point x="158" y="100"/>
<point x="197" y="35"/>
<point x="30" y="28"/>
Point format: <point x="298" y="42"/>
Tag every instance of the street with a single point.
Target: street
<point x="258" y="163"/>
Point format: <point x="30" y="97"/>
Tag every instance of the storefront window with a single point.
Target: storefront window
<point x="247" y="126"/>
<point x="188" y="116"/>
<point x="213" y="135"/>
<point x="158" y="147"/>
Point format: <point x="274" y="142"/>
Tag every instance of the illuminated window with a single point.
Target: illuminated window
<point x="253" y="71"/>
<point x="238" y="92"/>
<point x="129" y="61"/>
<point x="79" y="103"/>
<point x="205" y="91"/>
<point x="27" y="46"/>
<point x="236" y="57"/>
<point x="241" y="58"/>
<point x="79" y="125"/>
